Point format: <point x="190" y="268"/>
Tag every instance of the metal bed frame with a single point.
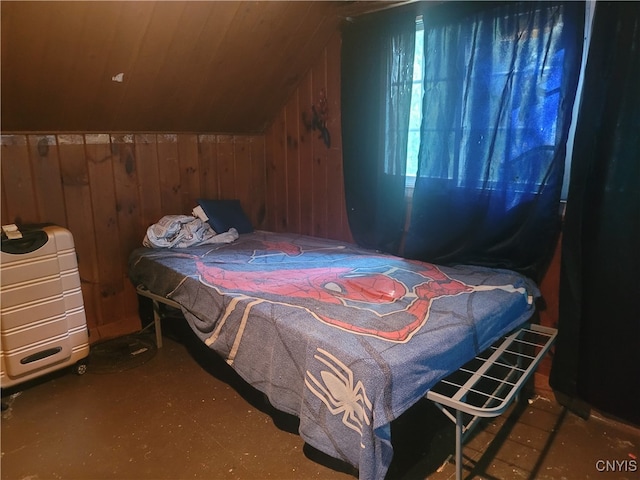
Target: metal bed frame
<point x="484" y="387"/>
<point x="157" y="315"/>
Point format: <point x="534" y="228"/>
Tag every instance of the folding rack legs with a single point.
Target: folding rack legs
<point x="510" y="364"/>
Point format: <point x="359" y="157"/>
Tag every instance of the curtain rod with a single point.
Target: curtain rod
<point x="390" y="6"/>
<point x="396" y="5"/>
<point x="386" y="6"/>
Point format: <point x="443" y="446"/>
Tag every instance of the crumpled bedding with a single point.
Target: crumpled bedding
<point x="182" y="231"/>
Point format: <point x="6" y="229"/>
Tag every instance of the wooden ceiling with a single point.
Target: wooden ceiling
<point x="187" y="66"/>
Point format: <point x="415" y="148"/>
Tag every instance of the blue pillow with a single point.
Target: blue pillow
<point x="224" y="214"/>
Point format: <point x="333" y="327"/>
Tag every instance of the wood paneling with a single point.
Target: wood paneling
<point x="188" y="66"/>
<point x="148" y="181"/>
<point x="305" y="187"/>
<point x="108" y="188"/>
<point x="549" y="314"/>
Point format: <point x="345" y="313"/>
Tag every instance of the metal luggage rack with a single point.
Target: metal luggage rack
<point x="487" y="385"/>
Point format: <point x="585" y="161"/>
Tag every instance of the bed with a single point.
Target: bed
<point x="344" y="338"/>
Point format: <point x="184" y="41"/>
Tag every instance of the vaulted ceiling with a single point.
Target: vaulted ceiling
<point x="171" y="66"/>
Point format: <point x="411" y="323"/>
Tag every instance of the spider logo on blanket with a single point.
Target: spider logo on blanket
<point x="339" y="393"/>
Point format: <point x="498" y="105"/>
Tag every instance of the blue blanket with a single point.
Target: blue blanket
<point x="344" y="338"/>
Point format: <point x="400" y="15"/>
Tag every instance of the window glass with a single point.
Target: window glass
<point x="415" y="118"/>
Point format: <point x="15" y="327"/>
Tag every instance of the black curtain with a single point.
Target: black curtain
<point x="597" y="358"/>
<point x="377" y="73"/>
<point x="500" y="81"/>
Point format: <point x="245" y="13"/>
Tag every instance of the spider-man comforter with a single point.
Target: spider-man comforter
<point x="344" y="338"/>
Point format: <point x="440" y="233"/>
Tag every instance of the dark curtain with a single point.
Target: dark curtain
<point x="500" y="81"/>
<point x="597" y="357"/>
<point x="377" y="70"/>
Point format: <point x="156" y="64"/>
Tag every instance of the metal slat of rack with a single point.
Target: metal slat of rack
<point x="488" y="384"/>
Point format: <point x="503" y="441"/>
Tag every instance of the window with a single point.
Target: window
<point x="479" y="75"/>
<point x="522" y="142"/>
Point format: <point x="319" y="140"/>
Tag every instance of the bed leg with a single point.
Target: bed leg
<point x="459" y="432"/>
<point x="156" y="323"/>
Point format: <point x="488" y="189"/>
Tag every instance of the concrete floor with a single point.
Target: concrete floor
<point x="185" y="414"/>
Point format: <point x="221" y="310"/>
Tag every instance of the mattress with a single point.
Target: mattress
<point x="345" y="338"/>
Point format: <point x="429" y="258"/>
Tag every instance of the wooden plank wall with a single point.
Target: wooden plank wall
<point x="108" y="188"/>
<point x="549" y="315"/>
<point x="305" y="188"/>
